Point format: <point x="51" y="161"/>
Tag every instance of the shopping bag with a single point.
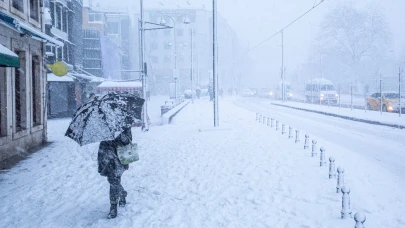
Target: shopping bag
<point x="128" y="154"/>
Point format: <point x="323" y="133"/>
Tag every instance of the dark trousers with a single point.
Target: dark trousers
<point x="116" y="189"/>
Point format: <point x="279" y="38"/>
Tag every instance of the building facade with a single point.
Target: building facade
<point x="102" y="53"/>
<point x="168" y="49"/>
<point x="22" y="100"/>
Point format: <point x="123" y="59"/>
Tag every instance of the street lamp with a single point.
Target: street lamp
<point x="163" y="22"/>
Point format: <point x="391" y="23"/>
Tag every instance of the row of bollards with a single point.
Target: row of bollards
<point x="346" y="212"/>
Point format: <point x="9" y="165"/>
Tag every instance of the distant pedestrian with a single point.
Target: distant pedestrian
<point x="211" y="93"/>
<point x="198" y="93"/>
<point x="148" y="95"/>
<point x="110" y="166"/>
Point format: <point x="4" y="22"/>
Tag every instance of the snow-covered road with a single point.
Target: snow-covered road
<point x="385" y="145"/>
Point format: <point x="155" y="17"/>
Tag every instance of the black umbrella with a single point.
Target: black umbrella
<point x="104" y="118"/>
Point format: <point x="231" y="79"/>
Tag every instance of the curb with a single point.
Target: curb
<point x="168" y="116"/>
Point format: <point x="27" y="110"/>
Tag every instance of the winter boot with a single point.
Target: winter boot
<point x="123" y="201"/>
<point x="113" y="211"/>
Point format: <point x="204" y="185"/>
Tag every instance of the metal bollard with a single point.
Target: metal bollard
<point x="306" y="146"/>
<point x="297" y="136"/>
<point x="290" y="133"/>
<point x="264" y="120"/>
<point x="276" y="125"/>
<point x="314" y="153"/>
<point x="332" y="171"/>
<point x="260" y="118"/>
<point x="360" y="218"/>
<point x="322" y="157"/>
<point x="272" y="122"/>
<point x="340" y="179"/>
<point x="346" y="211"/>
<point x="268" y="121"/>
<point x="283" y="129"/>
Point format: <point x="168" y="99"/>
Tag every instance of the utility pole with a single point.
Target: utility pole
<point x="399" y="87"/>
<point x="145" y="125"/>
<point x="214" y="62"/>
<point x="282" y="67"/>
<point x="191" y="68"/>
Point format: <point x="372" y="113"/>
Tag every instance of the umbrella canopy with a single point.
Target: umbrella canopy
<point x="104" y="118"/>
<point x="8" y="58"/>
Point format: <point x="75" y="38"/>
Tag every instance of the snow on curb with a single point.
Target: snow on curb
<point x="343" y="117"/>
<point x="168" y="116"/>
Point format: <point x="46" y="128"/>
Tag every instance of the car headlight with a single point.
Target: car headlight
<point x="290" y="94"/>
<point x="321" y="94"/>
<point x="271" y="93"/>
<point x="390" y="108"/>
<point x="337" y="95"/>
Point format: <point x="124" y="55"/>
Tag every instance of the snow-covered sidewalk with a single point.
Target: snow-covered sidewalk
<point x="244" y="174"/>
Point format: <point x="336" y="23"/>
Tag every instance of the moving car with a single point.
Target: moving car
<point x="247" y="93"/>
<point x="390" y="102"/>
<point x="266" y="93"/>
<point x="320" y="90"/>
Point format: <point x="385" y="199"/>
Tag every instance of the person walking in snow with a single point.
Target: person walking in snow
<point x="110" y="166"/>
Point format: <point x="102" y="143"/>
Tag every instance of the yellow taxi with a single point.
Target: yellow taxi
<point x="390" y="102"/>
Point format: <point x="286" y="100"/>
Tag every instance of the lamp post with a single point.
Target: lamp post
<point x="142" y="64"/>
<point x="215" y="62"/>
<point x="175" y="71"/>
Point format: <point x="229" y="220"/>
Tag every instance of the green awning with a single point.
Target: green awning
<point x="8" y="58"/>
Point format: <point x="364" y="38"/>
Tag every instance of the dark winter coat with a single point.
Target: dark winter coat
<point x="108" y="162"/>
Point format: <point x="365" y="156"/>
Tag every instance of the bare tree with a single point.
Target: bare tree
<point x="354" y="37"/>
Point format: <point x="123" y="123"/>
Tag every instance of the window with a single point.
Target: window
<point x="20" y="97"/>
<point x="113" y="28"/>
<point x="95" y="17"/>
<point x="168" y="46"/>
<point x="3" y="102"/>
<point x="167" y="32"/>
<point x="36" y="91"/>
<point x="59" y="54"/>
<point x="168" y="58"/>
<point x="180" y="32"/>
<point x="65" y="53"/>
<point x="58" y="17"/>
<point x="18" y="5"/>
<point x="153" y="46"/>
<point x="65" y="19"/>
<point x="34" y="9"/>
<point x="181" y="58"/>
<point x="52" y="10"/>
<point x="154" y="59"/>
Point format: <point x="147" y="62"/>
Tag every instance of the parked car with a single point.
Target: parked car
<point x="266" y="93"/>
<point x="390" y="102"/>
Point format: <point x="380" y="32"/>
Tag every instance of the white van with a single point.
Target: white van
<point x="320" y="90"/>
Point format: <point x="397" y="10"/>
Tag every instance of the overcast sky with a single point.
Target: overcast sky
<point x="255" y="20"/>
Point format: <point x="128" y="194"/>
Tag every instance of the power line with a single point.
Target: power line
<point x="286" y="26"/>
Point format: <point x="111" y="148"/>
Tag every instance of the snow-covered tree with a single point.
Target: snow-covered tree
<point x="353" y="37"/>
